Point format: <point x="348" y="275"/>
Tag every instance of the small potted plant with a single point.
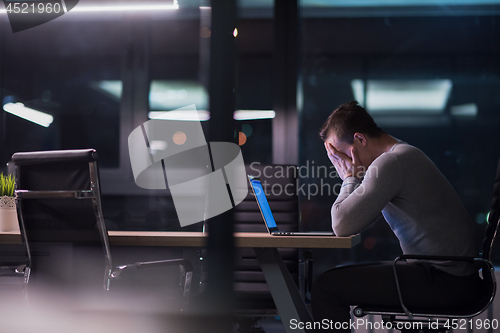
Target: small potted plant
<point x="8" y="214"/>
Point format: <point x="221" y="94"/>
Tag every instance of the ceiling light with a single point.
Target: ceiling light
<point x="158" y="145"/>
<point x="186" y="115"/>
<point x="394" y="3"/>
<point x="253" y="114"/>
<point x="35" y="116"/>
<point x="171" y="95"/>
<point x="401" y="96"/>
<point x="126" y="8"/>
<point x="112" y="88"/>
<point x="464" y="110"/>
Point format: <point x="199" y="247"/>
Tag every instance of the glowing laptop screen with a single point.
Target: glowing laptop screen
<point x="263" y="203"/>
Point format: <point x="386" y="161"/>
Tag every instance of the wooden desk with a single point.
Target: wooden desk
<point x="288" y="301"/>
<point x="198" y="239"/>
<point x="242" y="239"/>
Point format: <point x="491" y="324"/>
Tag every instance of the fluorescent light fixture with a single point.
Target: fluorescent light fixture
<point x="186" y="115"/>
<point x="403" y="96"/>
<point x="112" y="88"/>
<point x="203" y="115"/>
<point x="127" y="8"/>
<point x="358" y="87"/>
<point x="253" y="114"/>
<point x="171" y="95"/>
<point x="38" y="117"/>
<point x="464" y="110"/>
<point x="156" y="145"/>
<point x="395" y="3"/>
<point x="121" y="8"/>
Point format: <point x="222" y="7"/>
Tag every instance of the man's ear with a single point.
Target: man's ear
<point x="361" y="138"/>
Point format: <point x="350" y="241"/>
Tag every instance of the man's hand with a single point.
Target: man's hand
<point x="345" y="166"/>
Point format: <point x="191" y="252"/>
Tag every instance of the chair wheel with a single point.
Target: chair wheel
<point x="358" y="312"/>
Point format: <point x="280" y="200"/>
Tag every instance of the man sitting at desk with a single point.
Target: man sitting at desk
<point x="383" y="174"/>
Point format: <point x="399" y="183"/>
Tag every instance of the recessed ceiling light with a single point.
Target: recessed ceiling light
<point x="253" y="114"/>
<point x="464" y="110"/>
<point x="403" y="96"/>
<point x="35" y="116"/>
<point x="186" y="115"/>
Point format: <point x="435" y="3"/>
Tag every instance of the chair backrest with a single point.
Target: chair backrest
<point x="493" y="218"/>
<point x="488" y="241"/>
<point x="60" y="217"/>
<point x="279" y="183"/>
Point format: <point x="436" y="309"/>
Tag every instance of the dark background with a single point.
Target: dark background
<point x="52" y="68"/>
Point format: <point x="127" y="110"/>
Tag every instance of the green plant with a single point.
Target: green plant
<point x="7" y="183"/>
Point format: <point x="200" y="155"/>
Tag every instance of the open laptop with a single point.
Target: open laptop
<point x="268" y="217"/>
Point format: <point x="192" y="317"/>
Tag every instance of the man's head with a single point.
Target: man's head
<point x="351" y="125"/>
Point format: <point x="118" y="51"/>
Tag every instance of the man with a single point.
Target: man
<point x="383" y="174"/>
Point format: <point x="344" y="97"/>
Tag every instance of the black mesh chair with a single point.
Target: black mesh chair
<point x="465" y="310"/>
<point x="62" y="226"/>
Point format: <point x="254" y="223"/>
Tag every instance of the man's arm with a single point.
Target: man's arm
<point x="360" y="203"/>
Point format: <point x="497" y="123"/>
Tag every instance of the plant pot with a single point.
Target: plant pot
<point x="8" y="214"/>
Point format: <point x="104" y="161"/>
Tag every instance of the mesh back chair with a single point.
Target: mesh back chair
<point x="62" y="225"/>
<point x="252" y="292"/>
<point x="466" y="310"/>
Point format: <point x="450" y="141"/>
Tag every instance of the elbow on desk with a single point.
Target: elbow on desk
<point x="340" y="231"/>
<point x="341" y="225"/>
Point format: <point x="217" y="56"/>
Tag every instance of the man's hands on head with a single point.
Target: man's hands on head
<point x="345" y="165"/>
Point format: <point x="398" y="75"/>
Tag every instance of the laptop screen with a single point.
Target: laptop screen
<point x="263" y="203"/>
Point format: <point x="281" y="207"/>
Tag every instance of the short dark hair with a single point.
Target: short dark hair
<point x="348" y="119"/>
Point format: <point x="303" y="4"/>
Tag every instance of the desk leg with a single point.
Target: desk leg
<point x="283" y="289"/>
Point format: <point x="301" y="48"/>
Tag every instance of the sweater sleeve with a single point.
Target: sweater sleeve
<point x="360" y="203"/>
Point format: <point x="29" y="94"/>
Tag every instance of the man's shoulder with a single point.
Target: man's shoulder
<point x="408" y="158"/>
<point x="402" y="154"/>
<point x="405" y="151"/>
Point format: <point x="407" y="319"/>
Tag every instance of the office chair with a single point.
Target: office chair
<point x="444" y="317"/>
<point x="62" y="225"/>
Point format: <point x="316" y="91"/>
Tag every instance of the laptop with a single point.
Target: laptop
<point x="268" y="217"/>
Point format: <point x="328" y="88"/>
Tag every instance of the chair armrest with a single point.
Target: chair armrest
<point x="186" y="264"/>
<point x="436" y="258"/>
<point x="20" y="269"/>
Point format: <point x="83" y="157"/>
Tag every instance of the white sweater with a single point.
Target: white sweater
<point x="416" y="200"/>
